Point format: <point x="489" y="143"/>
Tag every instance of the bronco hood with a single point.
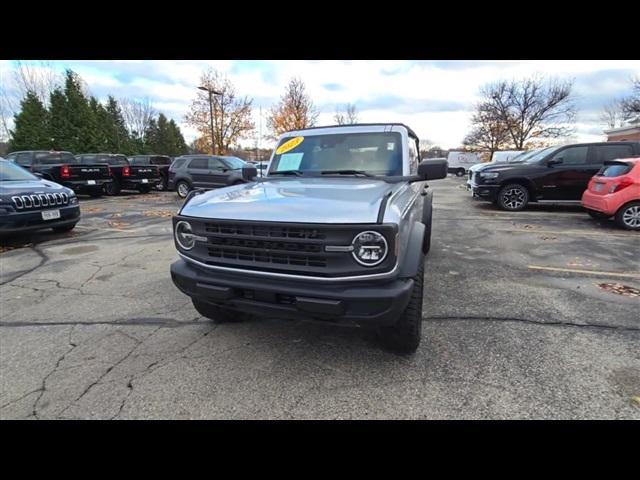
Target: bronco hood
<point x="304" y="200"/>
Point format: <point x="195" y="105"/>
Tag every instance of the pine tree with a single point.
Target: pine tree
<point x="59" y="128"/>
<point x="119" y="140"/>
<point x="178" y="143"/>
<point x="81" y="120"/>
<point x="30" y="125"/>
<point x="99" y="140"/>
<point x="151" y="137"/>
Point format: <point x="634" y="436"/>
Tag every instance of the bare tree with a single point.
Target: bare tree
<point x="294" y="111"/>
<point x="612" y="115"/>
<point x="488" y="131"/>
<point x="348" y="117"/>
<point x="232" y="119"/>
<point x="40" y="78"/>
<point x="631" y="104"/>
<point x="137" y="115"/>
<point x="531" y="109"/>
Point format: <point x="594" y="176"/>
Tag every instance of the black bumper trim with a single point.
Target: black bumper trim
<point x="362" y="304"/>
<point x="33" y="220"/>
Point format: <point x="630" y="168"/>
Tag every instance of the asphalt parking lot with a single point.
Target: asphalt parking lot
<point x="516" y="325"/>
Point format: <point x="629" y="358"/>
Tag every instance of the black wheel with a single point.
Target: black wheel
<point x="96" y="193"/>
<point x="144" y="189"/>
<point x="459" y="172"/>
<point x="112" y="188"/>
<point x="404" y="337"/>
<point x="597" y="215"/>
<point x="65" y="228"/>
<point x="628" y="217"/>
<point x="513" y="197"/>
<point x="182" y="188"/>
<point x="218" y="314"/>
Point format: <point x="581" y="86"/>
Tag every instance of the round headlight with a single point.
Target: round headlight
<point x="369" y="248"/>
<point x="184" y="235"/>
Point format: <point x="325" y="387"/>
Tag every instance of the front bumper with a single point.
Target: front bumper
<point x="485" y="192"/>
<point x="364" y="304"/>
<point x="29" y="221"/>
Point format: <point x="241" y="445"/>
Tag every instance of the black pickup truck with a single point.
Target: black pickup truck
<point x="65" y="169"/>
<point x="125" y="176"/>
<point x="163" y="162"/>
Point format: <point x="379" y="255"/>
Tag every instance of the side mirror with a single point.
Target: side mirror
<point x="249" y="173"/>
<point x="433" y="169"/>
<point x="555" y="161"/>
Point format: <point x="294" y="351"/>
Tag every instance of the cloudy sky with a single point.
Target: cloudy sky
<point x="435" y="98"/>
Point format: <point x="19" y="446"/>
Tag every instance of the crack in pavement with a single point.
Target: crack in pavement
<point x="145" y="321"/>
<point x="553" y="323"/>
<point x="43" y="387"/>
<point x="43" y="259"/>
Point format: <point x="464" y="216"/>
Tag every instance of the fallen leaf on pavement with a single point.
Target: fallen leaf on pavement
<point x="620" y="289"/>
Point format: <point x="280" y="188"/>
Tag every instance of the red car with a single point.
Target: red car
<point x="615" y="192"/>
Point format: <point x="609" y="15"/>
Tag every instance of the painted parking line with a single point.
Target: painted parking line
<point x="568" y="232"/>
<point x="587" y="272"/>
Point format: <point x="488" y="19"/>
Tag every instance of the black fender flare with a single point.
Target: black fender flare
<point x="410" y="264"/>
<point x="427" y="208"/>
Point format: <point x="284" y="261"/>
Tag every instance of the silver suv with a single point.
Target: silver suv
<point x="335" y="232"/>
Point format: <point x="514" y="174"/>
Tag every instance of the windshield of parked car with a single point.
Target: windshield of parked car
<point x="10" y="172"/>
<point x="541" y="154"/>
<point x="235" y="162"/>
<point x="52" y="158"/>
<point x="373" y="153"/>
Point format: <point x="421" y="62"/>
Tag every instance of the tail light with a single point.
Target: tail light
<point x="623" y="183"/>
<point x="126" y="171"/>
<point x="65" y="171"/>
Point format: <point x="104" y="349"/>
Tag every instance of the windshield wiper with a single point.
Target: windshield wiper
<point x="346" y="172"/>
<point x="288" y="172"/>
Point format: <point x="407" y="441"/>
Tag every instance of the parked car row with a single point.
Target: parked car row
<point x="605" y="177"/>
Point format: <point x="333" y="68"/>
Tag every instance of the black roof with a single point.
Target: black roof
<point x="392" y="124"/>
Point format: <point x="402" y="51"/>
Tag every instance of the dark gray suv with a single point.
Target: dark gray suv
<point x="190" y="172"/>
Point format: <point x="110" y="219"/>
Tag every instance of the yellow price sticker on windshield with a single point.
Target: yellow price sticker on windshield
<point x="289" y="145"/>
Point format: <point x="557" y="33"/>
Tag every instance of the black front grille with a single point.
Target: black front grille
<point x="262" y="230"/>
<point x="283" y="247"/>
<point x="39" y="200"/>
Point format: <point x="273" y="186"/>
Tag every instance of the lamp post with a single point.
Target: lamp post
<point x="211" y="93"/>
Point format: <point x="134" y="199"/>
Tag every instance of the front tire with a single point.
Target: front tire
<point x="628" y="217"/>
<point x="144" y="189"/>
<point x="513" y="197"/>
<point x="218" y="314"/>
<point x="404" y="337"/>
<point x="182" y="189"/>
<point x="460" y="172"/>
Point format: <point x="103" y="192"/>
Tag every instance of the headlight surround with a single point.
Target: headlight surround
<point x="370" y="248"/>
<point x="489" y="175"/>
<point x="73" y="199"/>
<point x="184" y="235"/>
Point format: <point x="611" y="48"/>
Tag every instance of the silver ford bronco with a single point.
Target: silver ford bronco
<point x="336" y="232"/>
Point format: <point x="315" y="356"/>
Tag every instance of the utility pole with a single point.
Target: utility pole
<point x="212" y="92"/>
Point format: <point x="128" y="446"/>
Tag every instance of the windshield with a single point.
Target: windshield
<point x="234" y="162"/>
<point x="51" y="158"/>
<point x="10" y="172"/>
<point x="540" y="154"/>
<point x="373" y="153"/>
<point x="108" y="159"/>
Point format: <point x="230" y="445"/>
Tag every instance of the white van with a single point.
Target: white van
<point x="460" y="162"/>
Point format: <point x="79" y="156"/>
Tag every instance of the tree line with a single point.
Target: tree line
<point x="75" y="121"/>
